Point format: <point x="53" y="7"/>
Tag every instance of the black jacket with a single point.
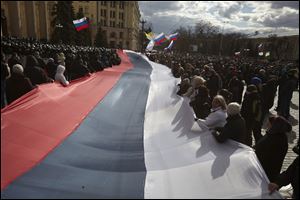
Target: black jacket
<point x="234" y="129"/>
<point x="16" y="86"/>
<point x="36" y="74"/>
<point x="201" y="104"/>
<point x="291" y="175"/>
<point x="272" y="148"/>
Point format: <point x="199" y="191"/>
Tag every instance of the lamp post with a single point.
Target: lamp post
<point x="221" y="42"/>
<point x="142" y="35"/>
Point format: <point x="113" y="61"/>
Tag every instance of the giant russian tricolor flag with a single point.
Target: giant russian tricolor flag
<point x="81" y="24"/>
<point x="120" y="133"/>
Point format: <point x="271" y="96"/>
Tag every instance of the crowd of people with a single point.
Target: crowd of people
<point x="26" y="63"/>
<point x="215" y="86"/>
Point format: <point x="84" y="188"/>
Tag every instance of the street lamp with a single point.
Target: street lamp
<point x="142" y="35"/>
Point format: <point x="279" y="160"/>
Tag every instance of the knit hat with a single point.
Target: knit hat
<point x="256" y="81"/>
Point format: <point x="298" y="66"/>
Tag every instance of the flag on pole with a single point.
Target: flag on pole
<point x="170" y="45"/>
<point x="150" y="45"/>
<point x="173" y="36"/>
<point x="81" y="24"/>
<point x="150" y="35"/>
<point x="160" y="39"/>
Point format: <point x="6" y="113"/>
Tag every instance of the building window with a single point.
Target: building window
<point x="122" y="5"/>
<point x="113" y="4"/>
<point x="81" y="9"/>
<point x="121" y="35"/>
<point x="121" y="25"/>
<point x="103" y="22"/>
<point x="112" y="44"/>
<point x="86" y="9"/>
<point x="103" y="13"/>
<point x="103" y="3"/>
<point x="127" y="44"/>
<point x="120" y="45"/>
<point x="112" y="23"/>
<point x="112" y="14"/>
<point x="112" y="34"/>
<point x="121" y="15"/>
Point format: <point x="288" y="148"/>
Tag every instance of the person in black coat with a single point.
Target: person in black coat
<point x="36" y="74"/>
<point x="272" y="147"/>
<point x="251" y="112"/>
<point x="214" y="83"/>
<point x="17" y="85"/>
<point x="235" y="127"/>
<point x="5" y="73"/>
<point x="290" y="176"/>
<point x="51" y="68"/>
<point x="236" y="87"/>
<point x="78" y="68"/>
<point x="286" y="93"/>
<point x="200" y="104"/>
<point x="14" y="59"/>
<point x="268" y="94"/>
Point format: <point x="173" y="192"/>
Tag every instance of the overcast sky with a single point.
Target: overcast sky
<point x="279" y="17"/>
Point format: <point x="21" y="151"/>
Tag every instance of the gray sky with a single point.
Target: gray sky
<point x="279" y="17"/>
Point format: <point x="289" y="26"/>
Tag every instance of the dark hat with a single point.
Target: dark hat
<point x="256" y="81"/>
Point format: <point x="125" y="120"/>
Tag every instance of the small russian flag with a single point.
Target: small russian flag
<point x="81" y="24"/>
<point x="173" y="36"/>
<point x="160" y="38"/>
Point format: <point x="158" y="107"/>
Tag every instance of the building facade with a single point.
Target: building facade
<point x="26" y="19"/>
<point x="118" y="19"/>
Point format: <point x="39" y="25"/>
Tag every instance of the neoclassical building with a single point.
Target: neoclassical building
<point x="118" y="19"/>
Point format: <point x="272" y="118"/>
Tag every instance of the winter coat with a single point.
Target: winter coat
<point x="213" y="85"/>
<point x="59" y="76"/>
<point x="251" y="107"/>
<point x="272" y="147"/>
<point x="268" y="94"/>
<point x="16" y="86"/>
<point x="201" y="104"/>
<point x="35" y="73"/>
<point x="51" y="68"/>
<point x="234" y="129"/>
<point x="217" y="118"/>
<point x="236" y="87"/>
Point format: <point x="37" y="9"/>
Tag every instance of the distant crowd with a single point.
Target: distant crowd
<point x="26" y="63"/>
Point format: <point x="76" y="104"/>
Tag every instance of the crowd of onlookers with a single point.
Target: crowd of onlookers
<point x="26" y="63"/>
<point x="215" y="87"/>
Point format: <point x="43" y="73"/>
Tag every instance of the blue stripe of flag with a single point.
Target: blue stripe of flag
<point x="81" y="24"/>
